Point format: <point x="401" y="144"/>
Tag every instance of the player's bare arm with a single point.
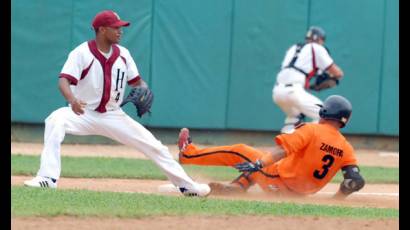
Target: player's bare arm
<point x="277" y="153"/>
<point x="273" y="156"/>
<point x="141" y="83"/>
<point x="352" y="182"/>
<point x="335" y="71"/>
<point x="76" y="105"/>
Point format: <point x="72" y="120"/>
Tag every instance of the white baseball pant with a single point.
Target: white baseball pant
<point x="116" y="125"/>
<point x="294" y="100"/>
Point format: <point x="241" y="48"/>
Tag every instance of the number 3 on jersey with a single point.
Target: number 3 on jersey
<point x="328" y="159"/>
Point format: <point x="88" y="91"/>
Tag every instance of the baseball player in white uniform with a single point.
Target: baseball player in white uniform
<point x="301" y="63"/>
<point x="93" y="81"/>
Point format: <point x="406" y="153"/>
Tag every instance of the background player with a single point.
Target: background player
<point x="99" y="69"/>
<point x="302" y="61"/>
<point x="302" y="162"/>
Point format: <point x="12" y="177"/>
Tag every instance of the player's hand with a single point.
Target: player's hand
<point x="77" y="106"/>
<point x="249" y="166"/>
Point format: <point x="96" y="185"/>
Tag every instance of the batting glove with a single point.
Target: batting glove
<point x="249" y="166"/>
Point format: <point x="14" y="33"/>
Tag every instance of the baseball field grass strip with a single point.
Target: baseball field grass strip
<point x="100" y="167"/>
<point x="47" y="202"/>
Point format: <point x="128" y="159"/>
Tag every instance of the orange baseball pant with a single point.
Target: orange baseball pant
<point x="268" y="179"/>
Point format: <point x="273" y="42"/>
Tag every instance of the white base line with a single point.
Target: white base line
<point x="388" y="154"/>
<point x="368" y="193"/>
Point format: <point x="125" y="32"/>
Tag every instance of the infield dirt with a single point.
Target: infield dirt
<point x="203" y="223"/>
<point x="373" y="195"/>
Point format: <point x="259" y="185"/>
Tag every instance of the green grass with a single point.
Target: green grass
<point x="99" y="167"/>
<point x="46" y="202"/>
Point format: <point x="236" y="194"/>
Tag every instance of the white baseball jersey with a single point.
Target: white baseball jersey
<point x="312" y="57"/>
<point x="100" y="82"/>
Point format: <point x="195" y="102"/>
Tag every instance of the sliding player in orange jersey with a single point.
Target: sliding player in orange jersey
<point x="301" y="163"/>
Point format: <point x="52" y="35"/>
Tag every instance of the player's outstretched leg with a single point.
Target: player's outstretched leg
<point x="124" y="129"/>
<point x="218" y="156"/>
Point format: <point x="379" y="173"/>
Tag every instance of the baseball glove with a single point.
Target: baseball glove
<point x="324" y="81"/>
<point x="142" y="98"/>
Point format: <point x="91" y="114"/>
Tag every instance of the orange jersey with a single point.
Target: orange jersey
<point x="315" y="153"/>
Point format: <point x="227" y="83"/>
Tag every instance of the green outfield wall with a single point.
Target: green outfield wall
<point x="212" y="64"/>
